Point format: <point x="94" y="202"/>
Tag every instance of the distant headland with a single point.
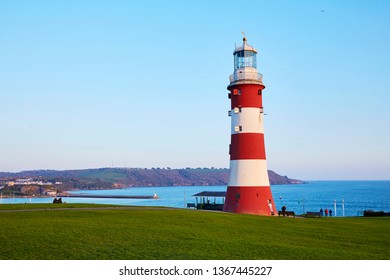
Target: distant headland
<point x="49" y="182"/>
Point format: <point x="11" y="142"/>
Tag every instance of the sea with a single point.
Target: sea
<point x="344" y="198"/>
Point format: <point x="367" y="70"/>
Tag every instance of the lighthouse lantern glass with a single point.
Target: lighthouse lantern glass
<point x="245" y="59"/>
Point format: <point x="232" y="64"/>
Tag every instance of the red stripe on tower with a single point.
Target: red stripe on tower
<point x="240" y="149"/>
<point x="248" y="187"/>
<point x="251" y="98"/>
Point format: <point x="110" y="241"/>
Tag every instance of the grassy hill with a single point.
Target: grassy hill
<point x="121" y="177"/>
<point x="164" y="233"/>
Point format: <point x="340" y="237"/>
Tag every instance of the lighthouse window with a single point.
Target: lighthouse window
<point x="245" y="59"/>
<point x="236" y="91"/>
<point x="238" y="128"/>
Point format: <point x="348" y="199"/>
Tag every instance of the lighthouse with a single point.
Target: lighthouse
<point x="248" y="188"/>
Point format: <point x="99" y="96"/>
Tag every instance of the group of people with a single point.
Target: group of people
<point x="322" y="212"/>
<point x="57" y="200"/>
<point x="284" y="208"/>
<point x="327" y="212"/>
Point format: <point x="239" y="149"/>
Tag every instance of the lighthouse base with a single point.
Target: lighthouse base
<point x="250" y="200"/>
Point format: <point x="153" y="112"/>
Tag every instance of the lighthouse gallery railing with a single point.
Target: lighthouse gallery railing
<point x="245" y="75"/>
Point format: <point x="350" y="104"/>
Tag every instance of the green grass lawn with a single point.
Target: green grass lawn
<point x="149" y="233"/>
<point x="30" y="206"/>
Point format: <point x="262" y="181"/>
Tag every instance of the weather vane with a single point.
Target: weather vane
<point x="243" y="33"/>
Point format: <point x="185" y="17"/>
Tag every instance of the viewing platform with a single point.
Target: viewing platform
<point x="246" y="76"/>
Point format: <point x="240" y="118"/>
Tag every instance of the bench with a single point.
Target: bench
<point x="313" y="214"/>
<point x="286" y="213"/>
<point x="191" y="205"/>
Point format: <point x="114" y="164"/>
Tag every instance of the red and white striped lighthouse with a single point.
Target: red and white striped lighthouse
<point x="248" y="187"/>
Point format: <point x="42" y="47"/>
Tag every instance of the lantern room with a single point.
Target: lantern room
<point x="245" y="56"/>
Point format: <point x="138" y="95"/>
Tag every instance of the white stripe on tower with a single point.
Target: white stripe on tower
<point x="248" y="173"/>
<point x="249" y="119"/>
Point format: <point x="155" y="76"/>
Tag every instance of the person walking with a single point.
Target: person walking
<point x="321" y="212"/>
<point x="326" y="212"/>
<point x="284" y="210"/>
<point x="330" y="212"/>
<point x="270" y="207"/>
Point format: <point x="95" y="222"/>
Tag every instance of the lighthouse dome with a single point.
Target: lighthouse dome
<point x="244" y="47"/>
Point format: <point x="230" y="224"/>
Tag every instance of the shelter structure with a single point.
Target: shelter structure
<point x="210" y="200"/>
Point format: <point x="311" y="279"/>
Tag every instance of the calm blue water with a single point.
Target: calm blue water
<point x="357" y="195"/>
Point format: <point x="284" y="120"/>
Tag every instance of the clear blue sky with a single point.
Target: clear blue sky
<point x="87" y="84"/>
